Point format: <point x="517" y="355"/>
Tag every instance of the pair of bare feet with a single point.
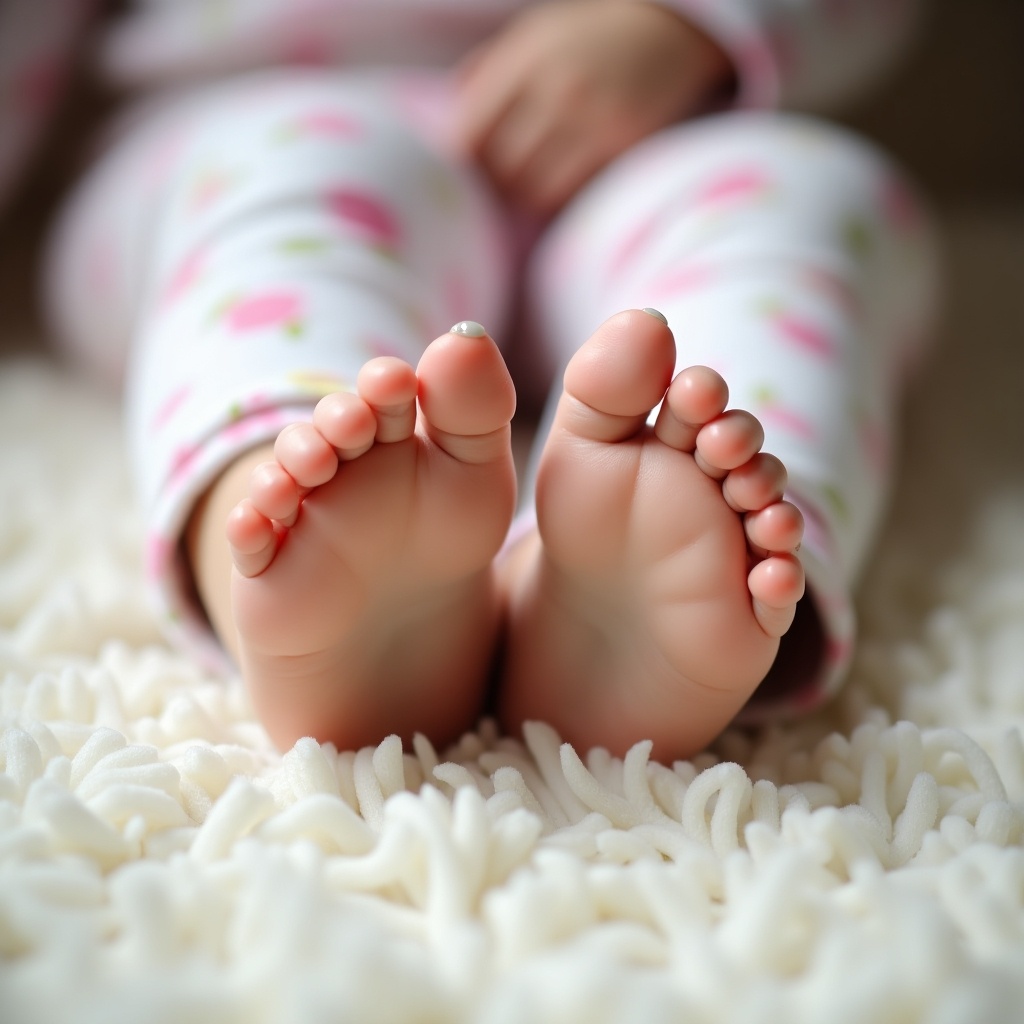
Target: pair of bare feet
<point x="364" y="597"/>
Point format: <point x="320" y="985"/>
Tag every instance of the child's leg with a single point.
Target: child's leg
<point x="792" y="259"/>
<point x="262" y="241"/>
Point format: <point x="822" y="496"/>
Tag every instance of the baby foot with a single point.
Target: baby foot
<point x="363" y="597"/>
<point x="651" y="601"/>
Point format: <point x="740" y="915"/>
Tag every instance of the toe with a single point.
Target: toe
<point x="466" y="394"/>
<point x="616" y="377"/>
<point x="727" y="442"/>
<point x="756" y="484"/>
<point x="696" y="396"/>
<point x="252" y="539"/>
<point x="347" y="423"/>
<point x="273" y="493"/>
<point x="777" y="528"/>
<point x="388" y="386"/>
<point x="776" y="584"/>
<point x="305" y="455"/>
<point x="465" y="387"/>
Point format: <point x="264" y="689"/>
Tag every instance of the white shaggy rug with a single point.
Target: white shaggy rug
<point x="159" y="862"/>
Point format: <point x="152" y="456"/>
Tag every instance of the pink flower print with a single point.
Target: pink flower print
<point x="733" y="185"/>
<point x="184" y="276"/>
<point x="838" y="291"/>
<point x="371" y="218"/>
<point x="774" y="414"/>
<point x="319" y="384"/>
<point x="157" y="556"/>
<point x="182" y="461"/>
<point x="799" y="332"/>
<point x="681" y="279"/>
<point x="169" y="407"/>
<point x="632" y="245"/>
<point x="247" y="422"/>
<point x="209" y="186"/>
<point x="332" y="124"/>
<point x="283" y="309"/>
<point x="308" y="50"/>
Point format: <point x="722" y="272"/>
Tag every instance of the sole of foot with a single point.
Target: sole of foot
<point x="650" y="602"/>
<point x="363" y="597"/>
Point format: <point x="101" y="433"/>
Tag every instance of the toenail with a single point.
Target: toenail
<point x="656" y="313"/>
<point x="469" y="329"/>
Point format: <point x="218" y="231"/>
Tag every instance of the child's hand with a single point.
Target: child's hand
<point x="571" y="84"/>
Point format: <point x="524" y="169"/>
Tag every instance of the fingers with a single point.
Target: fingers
<point x="528" y="123"/>
<point x="525" y="149"/>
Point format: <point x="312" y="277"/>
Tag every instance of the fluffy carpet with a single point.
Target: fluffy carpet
<point x="160" y="862"/>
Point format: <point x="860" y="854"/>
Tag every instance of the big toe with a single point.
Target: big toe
<point x="466" y="394"/>
<point x="618" y="376"/>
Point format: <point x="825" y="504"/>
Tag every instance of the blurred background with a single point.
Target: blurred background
<point x="953" y="112"/>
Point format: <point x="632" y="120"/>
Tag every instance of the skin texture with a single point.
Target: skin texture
<point x="358" y="589"/>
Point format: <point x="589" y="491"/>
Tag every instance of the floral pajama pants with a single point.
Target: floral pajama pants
<point x="242" y="249"/>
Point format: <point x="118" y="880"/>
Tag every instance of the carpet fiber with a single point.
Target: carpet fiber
<point x="159" y="862"/>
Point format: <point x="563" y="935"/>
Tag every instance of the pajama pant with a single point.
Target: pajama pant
<point x="243" y="249"/>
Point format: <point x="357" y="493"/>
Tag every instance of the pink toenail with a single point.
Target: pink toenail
<point x="469" y="329"/>
<point x="657" y="314"/>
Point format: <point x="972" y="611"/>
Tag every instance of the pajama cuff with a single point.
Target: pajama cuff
<point x="739" y="31"/>
<point x="168" y="576"/>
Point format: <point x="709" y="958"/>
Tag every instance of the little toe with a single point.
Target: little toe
<point x="273" y="493"/>
<point x="388" y="385"/>
<point x="776" y="585"/>
<point x="252" y="539"/>
<point x="756" y="484"/>
<point x="305" y="455"/>
<point x="346" y="422"/>
<point x="727" y="442"/>
<point x="777" y="528"/>
<point x="696" y="396"/>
